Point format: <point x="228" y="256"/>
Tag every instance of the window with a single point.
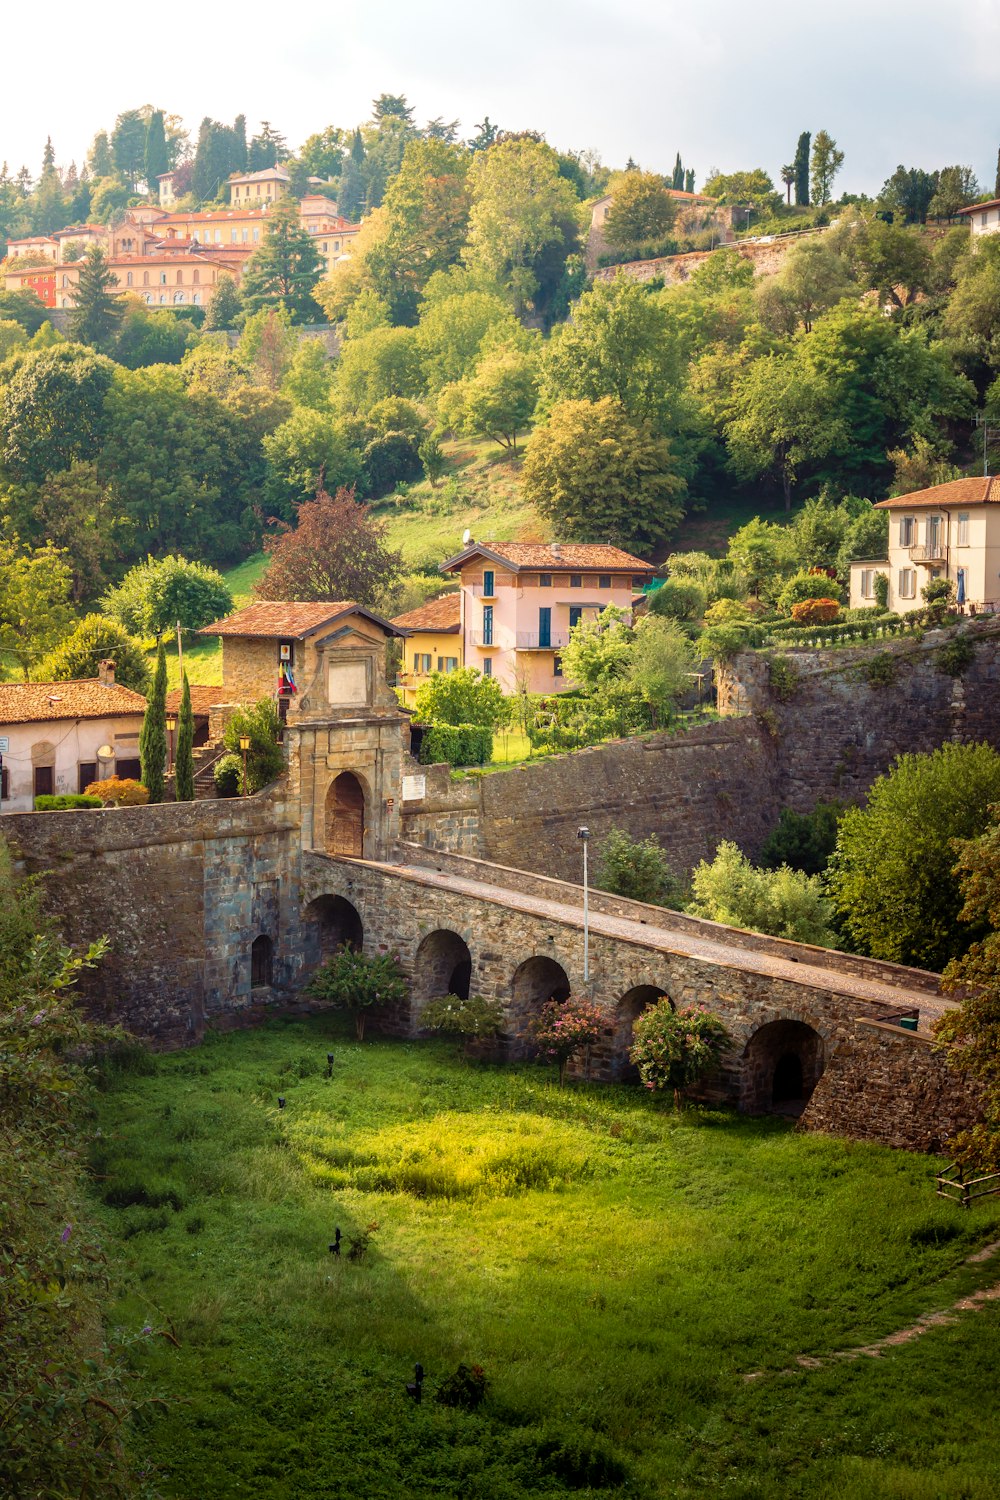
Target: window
<point x="232" y="236"/>
<point x="557" y="665"/>
<point x="245" y="235"/>
<point x="178" y="296"/>
<point x="196" y="299"/>
<point x="65" y="280"/>
<point x="45" y="777"/>
<point x="934" y="536"/>
<point x="416" y="661"/>
<point x="984" y="219"/>
<point x="868" y="583"/>
<point x="180" y="277"/>
<point x="907" y="583"/>
<point x="545" y="626"/>
<point x="256" y="235"/>
<point x="545" y="580"/>
<point x="145" y="278"/>
<point x="963" y="528"/>
<point x="488" y="667"/>
<point x="575" y="614"/>
<point x="88" y="773"/>
<point x="962" y="585"/>
<point x="5" y="784"/>
<point x="906" y="529"/>
<point x="261" y="962"/>
<point x="604" y="581"/>
<point x="325" y="247"/>
<point x="128" y="278"/>
<point x="487" y="624"/>
<point x="128" y="770"/>
<point x="163" y="278"/>
<point x="196" y="277"/>
<point x="576" y="580"/>
<point x="638" y="583"/>
<point x="451" y="663"/>
<point x="488" y="582"/>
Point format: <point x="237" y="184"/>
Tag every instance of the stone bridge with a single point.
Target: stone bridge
<point x="813" y="1032"/>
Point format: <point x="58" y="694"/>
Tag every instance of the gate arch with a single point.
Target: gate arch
<point x="442" y="965"/>
<point x="345" y="816"/>
<point x="628" y="1010"/>
<point x="782" y="1063"/>
<point x="329" y="923"/>
<point x="535" y="981"/>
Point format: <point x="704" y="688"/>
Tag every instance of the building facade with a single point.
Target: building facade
<point x="984" y="218"/>
<point x="948" y="531"/>
<point x="434" y="643"/>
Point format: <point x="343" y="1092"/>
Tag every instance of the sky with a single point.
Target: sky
<point x="728" y="84"/>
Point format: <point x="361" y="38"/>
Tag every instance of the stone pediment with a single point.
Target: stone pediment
<point x="348" y="679"/>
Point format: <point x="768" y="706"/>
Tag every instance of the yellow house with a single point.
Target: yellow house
<point x="433" y="642"/>
<point x="257" y="188"/>
<point x="948" y="531"/>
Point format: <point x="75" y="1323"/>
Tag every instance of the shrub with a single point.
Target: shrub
<point x="474" y="1018"/>
<point x="675" y="1049"/>
<point x="803" y="841"/>
<point x="458" y="744"/>
<point x="118" y="791"/>
<point x="637" y="869"/>
<point x="880" y="670"/>
<point x="678" y="599"/>
<point x="353" y="982"/>
<point x="815" y="611"/>
<point x="462" y="697"/>
<point x="955" y="656"/>
<point x="563" y="1027"/>
<point x="803" y="586"/>
<point x="782" y="903"/>
<point x="465" y="1388"/>
<point x="265" y="757"/>
<point x="228" y="775"/>
<point x="62" y="801"/>
<point x="783" y="678"/>
<point x="882" y="590"/>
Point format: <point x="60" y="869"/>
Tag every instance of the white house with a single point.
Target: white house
<point x="984" y="218"/>
<point x="60" y="736"/>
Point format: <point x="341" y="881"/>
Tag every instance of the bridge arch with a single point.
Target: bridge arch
<point x="330" y="923"/>
<point x="442" y="965"/>
<point x="782" y="1063"/>
<point x="628" y="1010"/>
<point x="346" y="815"/>
<point x="536" y="980"/>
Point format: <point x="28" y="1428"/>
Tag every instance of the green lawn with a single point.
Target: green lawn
<point x="616" y="1270"/>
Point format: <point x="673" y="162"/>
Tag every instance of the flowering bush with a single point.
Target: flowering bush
<point x="815" y="612"/>
<point x="351" y="981"/>
<point x="675" y="1048"/>
<point x="118" y="791"/>
<point x="562" y="1027"/>
<point x="474" y="1017"/>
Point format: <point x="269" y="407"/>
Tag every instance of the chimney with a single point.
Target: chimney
<point x="556" y="549"/>
<point x="106" y="673"/>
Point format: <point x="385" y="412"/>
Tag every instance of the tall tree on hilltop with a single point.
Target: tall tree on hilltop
<point x="155" y="160"/>
<point x="184" y="762"/>
<point x="689" y="180"/>
<point x="677" y="181"/>
<point x="241" y="154"/>
<point x="99" y="158"/>
<point x="801" y="163"/>
<point x="153" y="735"/>
<point x="334" y="551"/>
<point x="788" y="175"/>
<point x="286" y="268"/>
<point x="825" y="162"/>
<point x="128" y="145"/>
<point x="351" y="193"/>
<point x="266" y="149"/>
<point x="395" y="106"/>
<point x="97" y="312"/>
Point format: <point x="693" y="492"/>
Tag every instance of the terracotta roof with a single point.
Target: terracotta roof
<point x="86" y="698"/>
<point x="202" y="699"/>
<point x="974" y="208"/>
<point x="980" y="490"/>
<point x="443" y="615"/>
<point x="204" y="214"/>
<point x="551" y="557"/>
<point x="291" y="620"/>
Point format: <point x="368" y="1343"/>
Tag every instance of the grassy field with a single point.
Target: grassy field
<point x="616" y="1270"/>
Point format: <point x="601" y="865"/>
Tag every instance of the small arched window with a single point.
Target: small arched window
<point x="128" y="278"/>
<point x="196" y="299"/>
<point x="196" y="277"/>
<point x="180" y="277"/>
<point x="178" y="296"/>
<point x="261" y="962"/>
<point x="145" y="279"/>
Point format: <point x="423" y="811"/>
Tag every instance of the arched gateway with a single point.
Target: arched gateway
<point x="782" y="1064"/>
<point x="345" y="816"/>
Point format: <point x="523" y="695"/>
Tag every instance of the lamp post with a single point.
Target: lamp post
<point x="171" y="726"/>
<point x="584" y="835"/>
<point x="244" y="746"/>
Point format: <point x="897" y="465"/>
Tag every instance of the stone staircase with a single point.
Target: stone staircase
<point x="205" y="758"/>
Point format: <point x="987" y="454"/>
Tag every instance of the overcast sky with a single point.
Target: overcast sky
<point x="726" y="83"/>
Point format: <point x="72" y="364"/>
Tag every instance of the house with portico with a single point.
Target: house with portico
<point x="519" y="601"/>
<point x="947" y="531"/>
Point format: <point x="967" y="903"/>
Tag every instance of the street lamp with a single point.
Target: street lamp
<point x="244" y="746"/>
<point x="748" y="210"/>
<point x="171" y="726"/>
<point x="584" y="835"/>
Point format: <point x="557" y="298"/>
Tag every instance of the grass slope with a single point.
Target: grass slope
<point x="616" y="1270"/>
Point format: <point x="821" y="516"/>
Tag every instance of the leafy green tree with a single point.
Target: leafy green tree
<point x="598" y="655"/>
<point x="681" y="599"/>
<point x="801" y="164"/>
<point x="128" y="145"/>
<point x="94" y="639"/>
<point x="677" y="1049"/>
<point x="53" y="410"/>
<point x="892" y="874"/>
<point x="356" y="983"/>
<point x="309" y="377"/>
<point x="884" y="258"/>
<point x="34" y="602"/>
<point x="642" y="211"/>
<point x="637" y="869"/>
<point x="307" y="450"/>
<point x="972" y="315"/>
<point x="72" y="511"/>
<point x="25" y="308"/>
<point x="594" y="472"/>
<point x="661" y="666"/>
<point x="824" y="164"/>
<point x="433" y="460"/>
<point x="497" y="400"/>
<point x="454" y="331"/>
<point x="461" y="697"/>
<point x="262" y="727"/>
<point x="267" y="345"/>
<point x="813" y="279"/>
<point x="519" y="207"/>
<point x="322" y="154"/>
<point x="909" y="192"/>
<point x="155" y="158"/>
<point x="803" y="841"/>
<point x="426" y="208"/>
<point x="153" y="735"/>
<point x="384" y="363"/>
<point x="956" y="187"/>
<point x="97" y="313"/>
<point x="152" y="338"/>
<point x="752" y="188"/>
<point x="781" y="903"/>
<point x="184" y="760"/>
<point x="99" y="158"/>
<point x="225" y="305"/>
<point x="158" y="594"/>
<point x="267" y="148"/>
<point x="389" y="459"/>
<point x="110" y="199"/>
<point x="12" y="336"/>
<point x="335" y="551"/>
<point x="285" y="269"/>
<point x="780" y="420"/>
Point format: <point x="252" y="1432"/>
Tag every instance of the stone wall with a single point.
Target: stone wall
<point x="673" y="270"/>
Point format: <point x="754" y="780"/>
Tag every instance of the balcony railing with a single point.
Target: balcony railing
<point x="483" y="638"/>
<point x="479" y="592"/>
<point x="929" y="552"/>
<point x="536" y="640"/>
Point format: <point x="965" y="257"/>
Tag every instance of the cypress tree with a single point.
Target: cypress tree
<point x="156" y="151"/>
<point x="153" y="736"/>
<point x="184" y="764"/>
<point x="801" y="164"/>
<point x="678" y="178"/>
<point x="689" y="180"/>
<point x="996" y="189"/>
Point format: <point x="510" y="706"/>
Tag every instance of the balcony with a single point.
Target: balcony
<point x="479" y="592"/>
<point x="535" y="640"/>
<point x="928" y="552"/>
<point x="486" y="639"/>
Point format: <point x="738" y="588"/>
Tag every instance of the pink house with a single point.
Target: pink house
<point x="520" y="600"/>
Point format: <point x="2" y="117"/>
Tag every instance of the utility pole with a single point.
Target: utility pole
<point x="584" y="835"/>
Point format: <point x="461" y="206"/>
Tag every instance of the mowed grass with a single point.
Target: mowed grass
<point x="615" y="1269"/>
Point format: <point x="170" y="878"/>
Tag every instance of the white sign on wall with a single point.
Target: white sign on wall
<point x="348" y="682"/>
<point x="4" y="743"/>
<point x="414" y="788"/>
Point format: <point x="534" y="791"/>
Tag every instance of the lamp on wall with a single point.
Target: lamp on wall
<point x="171" y="726"/>
<point x="244" y="746"/>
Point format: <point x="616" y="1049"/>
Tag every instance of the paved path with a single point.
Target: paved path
<point x="666" y="940"/>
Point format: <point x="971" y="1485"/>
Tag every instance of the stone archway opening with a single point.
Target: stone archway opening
<point x="345" y="816"/>
<point x="442" y="966"/>
<point x="782" y="1064"/>
<point x="331" y="923"/>
<point x="536" y="981"/>
<point x="628" y="1010"/>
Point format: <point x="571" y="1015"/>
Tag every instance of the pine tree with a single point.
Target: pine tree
<point x="128" y="144"/>
<point x="678" y="178"/>
<point x="48" y="156"/>
<point x="225" y="306"/>
<point x="689" y="180"/>
<point x="239" y="161"/>
<point x="153" y="736"/>
<point x="156" y="151"/>
<point x="285" y="268"/>
<point x="99" y="158"/>
<point x="801" y="163"/>
<point x="184" y="764"/>
<point x="98" y="312"/>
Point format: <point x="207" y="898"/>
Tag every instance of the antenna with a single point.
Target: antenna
<point x="466" y="537"/>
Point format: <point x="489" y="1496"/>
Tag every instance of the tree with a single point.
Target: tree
<point x="94" y="639"/>
<point x="286" y="268"/>
<point x="353" y="982"/>
<point x="128" y="146"/>
<point x="155" y="158"/>
<point x="99" y="158"/>
<point x="519" y="206"/>
<point x="153" y="735"/>
<point x="909" y="192"/>
<point x="456" y="329"/>
<point x="461" y="697"/>
<point x="25" y="308"/>
<point x="642" y="210"/>
<point x="813" y="279"/>
<point x="152" y="338"/>
<point x="307" y="450"/>
<point x="779" y="420"/>
<point x="803" y="841"/>
<point x="12" y="335"/>
<point x="763" y="553"/>
<point x="594" y="472"/>
<point x="335" y="551"/>
<point x="34" y="602"/>
<point x="598" y="655"/>
<point x="97" y="312"/>
<point x="636" y="869"/>
<point x="496" y="401"/>
<point x="266" y="346"/>
<point x="753" y="188"/>
<point x="72" y="510"/>
<point x="265" y="759"/>
<point x="661" y="666"/>
<point x="956" y="187"/>
<point x="824" y="164"/>
<point x="225" y="305"/>
<point x="782" y="903"/>
<point x="676" y="1049"/>
<point x="788" y="175"/>
<point x="563" y="1028"/>
<point x="158" y="594"/>
<point x="184" y="760"/>
<point x="426" y="215"/>
<point x="385" y="362"/>
<point x="892" y="874"/>
<point x="801" y="164"/>
<point x="885" y="258"/>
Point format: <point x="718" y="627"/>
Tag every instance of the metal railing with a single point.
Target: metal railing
<point x="536" y="640"/>
<point x="928" y="552"/>
<point x="483" y="638"/>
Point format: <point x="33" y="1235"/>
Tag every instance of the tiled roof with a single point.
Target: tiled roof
<point x="202" y="699"/>
<point x="552" y="557"/>
<point x="291" y="620"/>
<point x="87" y="698"/>
<point x="443" y="615"/>
<point x="980" y="490"/>
<point x="974" y="208"/>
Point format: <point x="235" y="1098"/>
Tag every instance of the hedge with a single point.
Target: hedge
<point x="458" y="744"/>
<point x="62" y="801"/>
